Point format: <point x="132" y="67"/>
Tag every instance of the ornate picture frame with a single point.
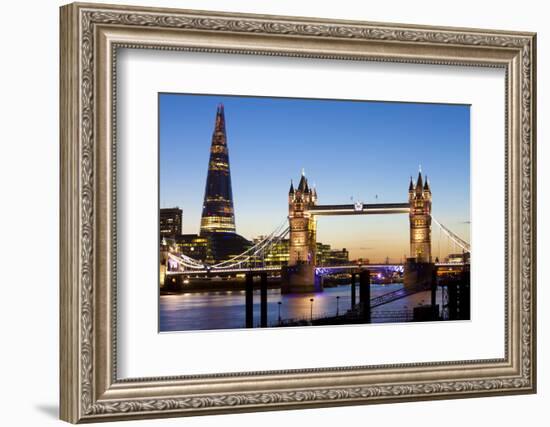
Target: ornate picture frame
<point x="90" y="37"/>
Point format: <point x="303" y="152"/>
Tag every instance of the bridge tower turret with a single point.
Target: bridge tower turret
<point x="303" y="227"/>
<point x="420" y="200"/>
<point x="299" y="275"/>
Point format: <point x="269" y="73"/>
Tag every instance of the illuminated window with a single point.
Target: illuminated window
<point x="219" y="149"/>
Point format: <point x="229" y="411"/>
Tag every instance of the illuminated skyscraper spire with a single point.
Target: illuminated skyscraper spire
<point x="217" y="210"/>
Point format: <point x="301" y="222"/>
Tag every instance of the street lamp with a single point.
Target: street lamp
<point x="337" y="305"/>
<point x="311" y="309"/>
<point x="279" y="307"/>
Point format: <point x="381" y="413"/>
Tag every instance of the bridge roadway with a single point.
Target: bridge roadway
<point x="342" y="267"/>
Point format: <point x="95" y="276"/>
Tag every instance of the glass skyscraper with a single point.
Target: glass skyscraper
<point x="218" y="214"/>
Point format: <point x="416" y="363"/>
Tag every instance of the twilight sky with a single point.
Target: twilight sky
<point x="349" y="149"/>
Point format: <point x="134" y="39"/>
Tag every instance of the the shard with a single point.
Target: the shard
<point x="218" y="215"/>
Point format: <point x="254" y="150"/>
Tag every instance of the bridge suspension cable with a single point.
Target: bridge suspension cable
<point x="253" y="250"/>
<point x="457" y="240"/>
<point x="251" y="253"/>
<point x="186" y="261"/>
<point x="261" y="247"/>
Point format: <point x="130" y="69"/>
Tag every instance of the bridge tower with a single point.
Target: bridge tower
<point x="420" y="200"/>
<point x="419" y="267"/>
<point x="299" y="276"/>
<point x="303" y="227"/>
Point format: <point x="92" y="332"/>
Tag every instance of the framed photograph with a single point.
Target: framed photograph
<point x="266" y="212"/>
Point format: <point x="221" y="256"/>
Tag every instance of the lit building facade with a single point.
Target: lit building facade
<point x="337" y="257"/>
<point x="327" y="256"/>
<point x="420" y="200"/>
<point x="279" y="254"/>
<point x="322" y="253"/>
<point x="217" y="212"/>
<point x="209" y="248"/>
<point x="171" y="222"/>
<point x="462" y="257"/>
<point x="193" y="246"/>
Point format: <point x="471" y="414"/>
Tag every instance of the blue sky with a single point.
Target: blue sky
<point x="349" y="149"/>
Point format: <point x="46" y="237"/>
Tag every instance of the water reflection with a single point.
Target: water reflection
<point x="226" y="309"/>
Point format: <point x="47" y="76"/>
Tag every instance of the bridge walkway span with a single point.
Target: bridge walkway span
<point x="398" y="294"/>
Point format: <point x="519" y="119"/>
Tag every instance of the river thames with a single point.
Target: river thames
<point x="226" y="309"/>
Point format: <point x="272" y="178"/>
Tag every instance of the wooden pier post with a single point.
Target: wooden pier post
<point x="435" y="311"/>
<point x="353" y="290"/>
<point x="263" y="300"/>
<point x="364" y="295"/>
<point x="249" y="300"/>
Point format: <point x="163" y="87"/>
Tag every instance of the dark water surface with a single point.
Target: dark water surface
<point x="226" y="309"/>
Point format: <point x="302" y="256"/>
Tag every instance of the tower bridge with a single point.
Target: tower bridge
<point x="303" y="210"/>
<point x="303" y="273"/>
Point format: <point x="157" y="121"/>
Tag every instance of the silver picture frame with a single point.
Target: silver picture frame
<point x="90" y="37"/>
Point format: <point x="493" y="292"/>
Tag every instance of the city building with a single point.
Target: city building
<point x="337" y="257"/>
<point x="193" y="246"/>
<point x="224" y="246"/>
<point x="217" y="240"/>
<point x="217" y="213"/>
<point x="322" y="252"/>
<point x="170" y="222"/>
<point x="279" y="254"/>
<point x="461" y="257"/>
<point x="211" y="248"/>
